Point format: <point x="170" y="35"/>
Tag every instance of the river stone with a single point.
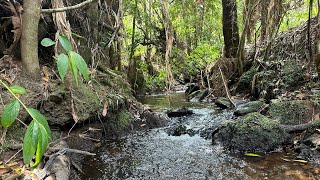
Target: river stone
<point x="223" y="103"/>
<point x="180" y="112"/>
<point x="252" y="106"/>
<point x="291" y="112"/>
<point x="253" y="133"/>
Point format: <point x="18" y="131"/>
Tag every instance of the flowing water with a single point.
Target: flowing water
<point x="157" y="155"/>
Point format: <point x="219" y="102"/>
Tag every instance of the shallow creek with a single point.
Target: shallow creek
<point x="157" y="155"/>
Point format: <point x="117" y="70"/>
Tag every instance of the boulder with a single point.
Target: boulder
<point x="291" y="112"/>
<point x="223" y="103"/>
<point x="249" y="107"/>
<point x="253" y="133"/>
<point x="180" y="112"/>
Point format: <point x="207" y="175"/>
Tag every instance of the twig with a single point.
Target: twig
<point x="226" y="87"/>
<point x="68" y="150"/>
<point x="13" y="156"/>
<point x="77" y="6"/>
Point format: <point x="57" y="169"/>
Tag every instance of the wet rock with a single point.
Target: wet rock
<point x="191" y="88"/>
<point x="291" y="112"/>
<point x="308" y="153"/>
<point x="253" y="133"/>
<point x="178" y="131"/>
<point x="180" y="112"/>
<point x="203" y="94"/>
<point x="249" y="107"/>
<point x="194" y="96"/>
<point x="153" y="119"/>
<point x="313" y="141"/>
<point x="223" y="103"/>
<point x="198" y="96"/>
<point x="245" y="80"/>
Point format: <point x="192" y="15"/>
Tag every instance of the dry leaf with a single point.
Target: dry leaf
<point x="105" y="110"/>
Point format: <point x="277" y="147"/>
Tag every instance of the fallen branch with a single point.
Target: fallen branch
<point x="300" y="127"/>
<point x="77" y="6"/>
<point x="68" y="150"/>
<point x="226" y="87"/>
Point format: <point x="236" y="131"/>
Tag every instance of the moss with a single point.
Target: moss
<point x="256" y="118"/>
<point x="254" y="133"/>
<point x="290" y="112"/>
<point x="247" y="77"/>
<point x="316" y="123"/>
<point x="123" y="118"/>
<point x="293" y="74"/>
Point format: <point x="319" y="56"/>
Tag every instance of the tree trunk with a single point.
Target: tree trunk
<point x="230" y="28"/>
<point x="169" y="40"/>
<point x="264" y="19"/>
<point x="29" y="38"/>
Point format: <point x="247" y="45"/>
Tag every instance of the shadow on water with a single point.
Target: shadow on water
<point x="156" y="155"/>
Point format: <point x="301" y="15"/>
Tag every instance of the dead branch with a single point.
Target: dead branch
<point x="68" y="150"/>
<point x="77" y="6"/>
<point x="226" y="87"/>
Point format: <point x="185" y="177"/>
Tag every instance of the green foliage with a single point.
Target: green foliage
<point x="63" y="65"/>
<point x="10" y="113"/>
<point x="17" y="89"/>
<point x="47" y="42"/>
<point x="38" y="133"/>
<point x="72" y="59"/>
<point x="65" y="43"/>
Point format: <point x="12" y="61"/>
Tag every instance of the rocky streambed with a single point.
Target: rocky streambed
<point x="184" y="149"/>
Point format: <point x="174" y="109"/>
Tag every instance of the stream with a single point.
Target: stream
<point x="156" y="154"/>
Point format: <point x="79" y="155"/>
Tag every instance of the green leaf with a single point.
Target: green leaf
<point x="17" y="89"/>
<point x="10" y="113"/>
<point x="63" y="65"/>
<point x="65" y="43"/>
<point x="37" y="116"/>
<point x="28" y="147"/>
<point x="81" y="64"/>
<point x="73" y="67"/>
<point x="252" y="155"/>
<point x="43" y="141"/>
<point x="46" y="42"/>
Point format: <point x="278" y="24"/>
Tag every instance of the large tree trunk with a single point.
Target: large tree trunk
<point x="230" y="28"/>
<point x="169" y="40"/>
<point x="29" y="38"/>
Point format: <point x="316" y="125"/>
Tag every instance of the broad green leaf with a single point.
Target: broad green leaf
<point x="65" y="43"/>
<point x="81" y="64"/>
<point x="63" y="65"/>
<point x="43" y="140"/>
<point x="37" y="116"/>
<point x="73" y="67"/>
<point x="10" y="113"/>
<point x="46" y="42"/>
<point x="17" y="89"/>
<point x="252" y="155"/>
<point x="28" y="148"/>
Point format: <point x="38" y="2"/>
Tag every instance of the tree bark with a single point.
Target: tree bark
<point x="29" y="38"/>
<point x="230" y="28"/>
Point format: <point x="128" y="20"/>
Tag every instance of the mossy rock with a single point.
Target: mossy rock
<point x="293" y="74"/>
<point x="291" y="112"/>
<point x="245" y="80"/>
<point x="265" y="83"/>
<point x="253" y="133"/>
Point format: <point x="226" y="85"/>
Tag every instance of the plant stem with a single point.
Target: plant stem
<point x="14" y="95"/>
